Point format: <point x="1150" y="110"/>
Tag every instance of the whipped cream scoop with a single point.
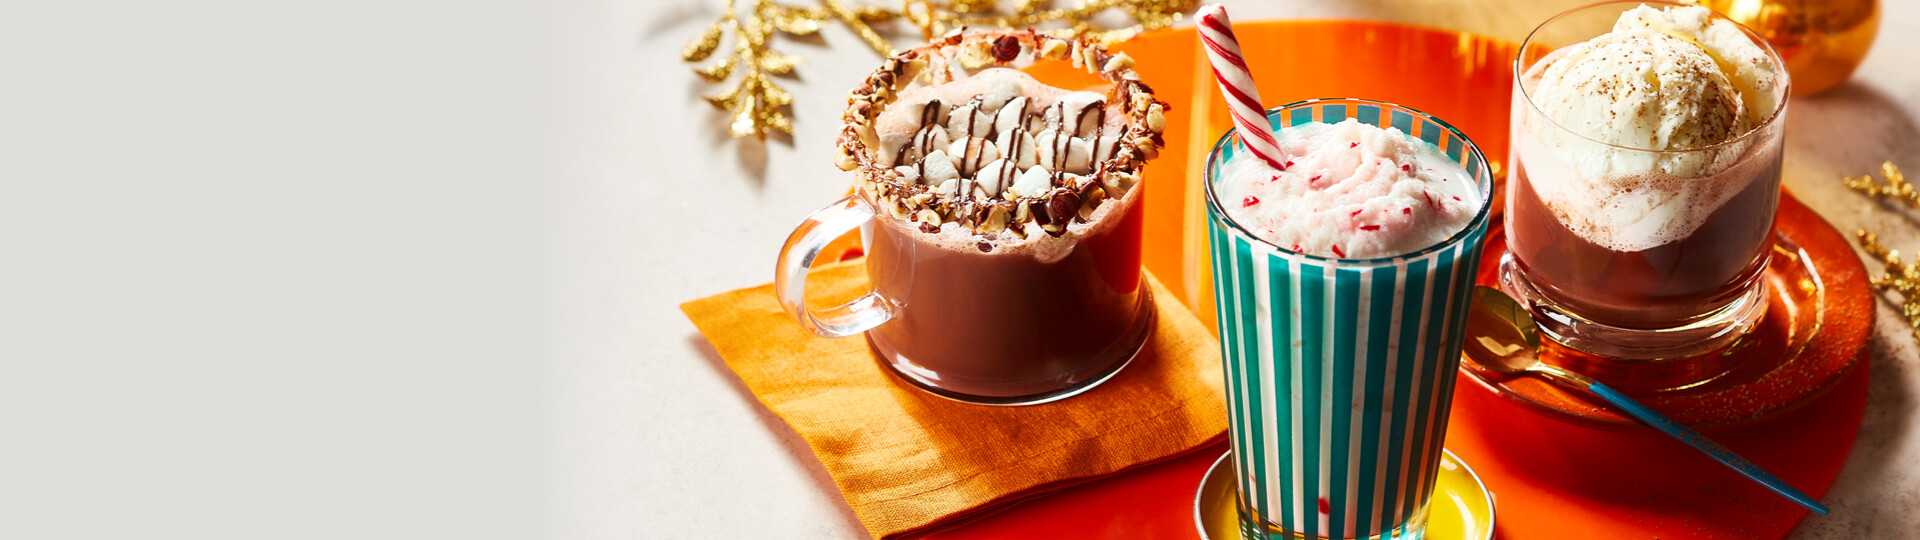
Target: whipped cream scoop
<point x="1645" y="127"/>
<point x="1674" y="79"/>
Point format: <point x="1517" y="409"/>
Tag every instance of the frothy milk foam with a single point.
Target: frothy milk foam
<point x="1350" y="190"/>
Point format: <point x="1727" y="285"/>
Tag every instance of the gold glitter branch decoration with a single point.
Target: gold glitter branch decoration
<point x="1896" y="187"/>
<point x="757" y="104"/>
<point x="1900" y="278"/>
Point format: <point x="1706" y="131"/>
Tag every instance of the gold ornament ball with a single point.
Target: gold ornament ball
<point x="1821" y="40"/>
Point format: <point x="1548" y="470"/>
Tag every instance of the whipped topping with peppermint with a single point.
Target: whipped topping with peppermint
<point x="1350" y="191"/>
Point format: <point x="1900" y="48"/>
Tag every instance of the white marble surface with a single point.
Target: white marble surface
<point x="656" y="205"/>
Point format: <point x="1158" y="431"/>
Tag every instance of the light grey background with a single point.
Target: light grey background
<point x="411" y="269"/>
<point x="266" y="270"/>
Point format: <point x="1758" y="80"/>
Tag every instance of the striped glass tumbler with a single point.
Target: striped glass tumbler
<point x="1340" y="371"/>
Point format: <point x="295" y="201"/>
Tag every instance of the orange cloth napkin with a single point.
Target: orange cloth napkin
<point x="909" y="462"/>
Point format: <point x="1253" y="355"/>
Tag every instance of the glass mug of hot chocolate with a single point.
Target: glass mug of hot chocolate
<point x="1645" y="178"/>
<point x="1001" y="217"/>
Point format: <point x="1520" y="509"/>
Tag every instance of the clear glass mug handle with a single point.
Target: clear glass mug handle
<point x="790" y="275"/>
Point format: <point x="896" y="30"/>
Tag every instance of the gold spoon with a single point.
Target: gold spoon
<point x="1502" y="339"/>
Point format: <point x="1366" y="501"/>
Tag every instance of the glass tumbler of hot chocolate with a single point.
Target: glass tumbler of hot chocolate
<point x="1645" y="177"/>
<point x="1001" y="216"/>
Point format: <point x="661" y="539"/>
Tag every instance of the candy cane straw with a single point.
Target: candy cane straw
<point x="1236" y="84"/>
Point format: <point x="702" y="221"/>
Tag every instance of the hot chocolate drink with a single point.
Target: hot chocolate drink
<point x="1665" y="285"/>
<point x="999" y="318"/>
<point x="1645" y="177"/>
<point x="1007" y="231"/>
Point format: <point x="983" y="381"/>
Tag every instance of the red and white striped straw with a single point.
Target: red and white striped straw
<point x="1236" y="84"/>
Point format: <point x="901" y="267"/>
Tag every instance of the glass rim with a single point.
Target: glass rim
<point x="1786" y="87"/>
<point x="1480" y="216"/>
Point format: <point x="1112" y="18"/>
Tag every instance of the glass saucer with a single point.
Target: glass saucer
<point x="1814" y="333"/>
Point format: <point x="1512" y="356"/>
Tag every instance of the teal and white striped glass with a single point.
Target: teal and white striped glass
<point x="1340" y="371"/>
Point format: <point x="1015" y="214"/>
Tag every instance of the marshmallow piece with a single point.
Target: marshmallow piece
<point x="1049" y="149"/>
<point x="1017" y="145"/>
<point x="995" y="176"/>
<point x="1010" y="117"/>
<point x="1079" y="155"/>
<point x="1052" y="117"/>
<point x="1003" y="91"/>
<point x="908" y="174"/>
<point x="977" y="191"/>
<point x="1073" y="110"/>
<point x="1104" y="148"/>
<point x="927" y="140"/>
<point x="968" y="121"/>
<point x="971" y="153"/>
<point x="916" y="110"/>
<point x="948" y="188"/>
<point x="1033" y="123"/>
<point x="1035" y="181"/>
<point x="917" y="145"/>
<point x="890" y="147"/>
<point x="937" y="168"/>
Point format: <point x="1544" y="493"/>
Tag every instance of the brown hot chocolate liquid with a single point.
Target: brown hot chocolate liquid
<point x="1661" y="287"/>
<point x="1008" y="225"/>
<point x="1008" y="322"/>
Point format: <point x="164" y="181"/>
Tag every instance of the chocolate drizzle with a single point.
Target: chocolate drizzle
<point x="1010" y="171"/>
<point x="1098" y="121"/>
<point x="993" y="131"/>
<point x="1109" y="169"/>
<point x="1062" y="142"/>
<point x="973" y="118"/>
<point x="923" y="137"/>
<point x="973" y="155"/>
<point x="1012" y="152"/>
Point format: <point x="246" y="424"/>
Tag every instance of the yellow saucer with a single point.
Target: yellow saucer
<point x="1462" y="509"/>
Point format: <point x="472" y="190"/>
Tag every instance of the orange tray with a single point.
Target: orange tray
<point x="1550" y="478"/>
